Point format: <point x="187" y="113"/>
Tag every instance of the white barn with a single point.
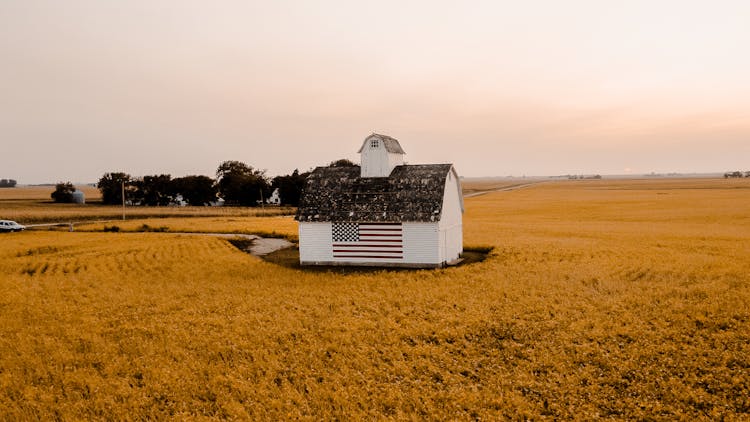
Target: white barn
<point x="275" y="198"/>
<point x="381" y="213"/>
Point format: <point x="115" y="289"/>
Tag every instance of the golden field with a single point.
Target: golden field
<point x="272" y="226"/>
<point x="622" y="299"/>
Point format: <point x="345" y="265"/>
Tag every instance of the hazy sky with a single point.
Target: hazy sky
<point x="497" y="88"/>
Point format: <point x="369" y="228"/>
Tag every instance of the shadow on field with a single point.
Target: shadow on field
<point x="289" y="258"/>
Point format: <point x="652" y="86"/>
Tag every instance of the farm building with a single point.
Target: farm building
<point x="382" y="212"/>
<point x="275" y="198"/>
<point x="79" y="197"/>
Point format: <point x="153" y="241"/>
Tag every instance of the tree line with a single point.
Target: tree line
<point x="733" y="174"/>
<point x="7" y="183"/>
<point x="236" y="183"/>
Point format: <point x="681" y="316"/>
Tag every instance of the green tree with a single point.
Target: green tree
<point x="195" y="190"/>
<point x="154" y="190"/>
<point x="110" y="185"/>
<point x="241" y="184"/>
<point x="290" y="187"/>
<point x="63" y="193"/>
<point x="342" y="163"/>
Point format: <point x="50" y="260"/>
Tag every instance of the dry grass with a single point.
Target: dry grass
<point x="277" y="226"/>
<point x="602" y="299"/>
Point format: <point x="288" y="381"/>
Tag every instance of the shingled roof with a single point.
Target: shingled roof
<point x="412" y="193"/>
<point x="391" y="144"/>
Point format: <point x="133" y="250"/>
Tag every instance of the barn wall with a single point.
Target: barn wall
<point x="451" y="221"/>
<point x="421" y="246"/>
<point x="421" y="243"/>
<point x="374" y="161"/>
<point x="315" y="242"/>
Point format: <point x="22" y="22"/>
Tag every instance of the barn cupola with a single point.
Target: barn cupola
<point x="380" y="154"/>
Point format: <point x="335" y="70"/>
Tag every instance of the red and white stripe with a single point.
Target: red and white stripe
<point x="376" y="241"/>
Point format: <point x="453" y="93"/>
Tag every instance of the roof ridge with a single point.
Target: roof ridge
<point x="391" y="144"/>
<point x="413" y="192"/>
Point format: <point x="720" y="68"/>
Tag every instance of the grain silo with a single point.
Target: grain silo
<point x="79" y="197"/>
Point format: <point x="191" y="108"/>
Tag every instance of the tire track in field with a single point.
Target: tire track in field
<point x="503" y="189"/>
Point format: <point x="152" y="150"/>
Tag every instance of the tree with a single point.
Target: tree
<point x="732" y="174"/>
<point x="110" y="185"/>
<point x="154" y="190"/>
<point x="290" y="187"/>
<point x="240" y="184"/>
<point x="7" y="183"/>
<point x="63" y="193"/>
<point x="195" y="190"/>
<point x="342" y="163"/>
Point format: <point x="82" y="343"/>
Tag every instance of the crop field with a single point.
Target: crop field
<point x="623" y="299"/>
<point x="273" y="226"/>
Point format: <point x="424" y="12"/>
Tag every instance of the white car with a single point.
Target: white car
<point x="10" y="226"/>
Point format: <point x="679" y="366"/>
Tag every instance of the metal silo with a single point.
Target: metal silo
<point x="79" y="197"/>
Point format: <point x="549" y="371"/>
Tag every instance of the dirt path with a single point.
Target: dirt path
<point x="504" y="189"/>
<point x="261" y="245"/>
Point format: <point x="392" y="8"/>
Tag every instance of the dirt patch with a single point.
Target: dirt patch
<point x="260" y="246"/>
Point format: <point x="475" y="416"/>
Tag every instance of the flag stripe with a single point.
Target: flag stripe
<point x="368" y="250"/>
<point x="367" y="240"/>
<point x="383" y="240"/>
<point x="338" y="245"/>
<point x="361" y="235"/>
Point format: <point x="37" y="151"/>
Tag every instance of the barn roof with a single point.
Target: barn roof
<point x="338" y="194"/>
<point x="391" y="144"/>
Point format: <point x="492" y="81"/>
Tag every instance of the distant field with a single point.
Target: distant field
<point x="601" y="299"/>
<point x="475" y="185"/>
<point x="42" y="193"/>
<point x="32" y="205"/>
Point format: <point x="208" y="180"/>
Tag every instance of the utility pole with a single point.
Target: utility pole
<point x="123" y="200"/>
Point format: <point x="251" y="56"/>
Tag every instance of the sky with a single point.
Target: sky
<point x="497" y="88"/>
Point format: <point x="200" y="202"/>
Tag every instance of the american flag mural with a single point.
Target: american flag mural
<point x="368" y="240"/>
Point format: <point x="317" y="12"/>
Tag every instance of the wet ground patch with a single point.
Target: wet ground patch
<point x="260" y="246"/>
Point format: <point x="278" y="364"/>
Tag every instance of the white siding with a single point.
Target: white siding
<point x="394" y="159"/>
<point x="374" y="161"/>
<point x="421" y="243"/>
<point x="451" y="226"/>
<point x="315" y="242"/>
<point x="378" y="162"/>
